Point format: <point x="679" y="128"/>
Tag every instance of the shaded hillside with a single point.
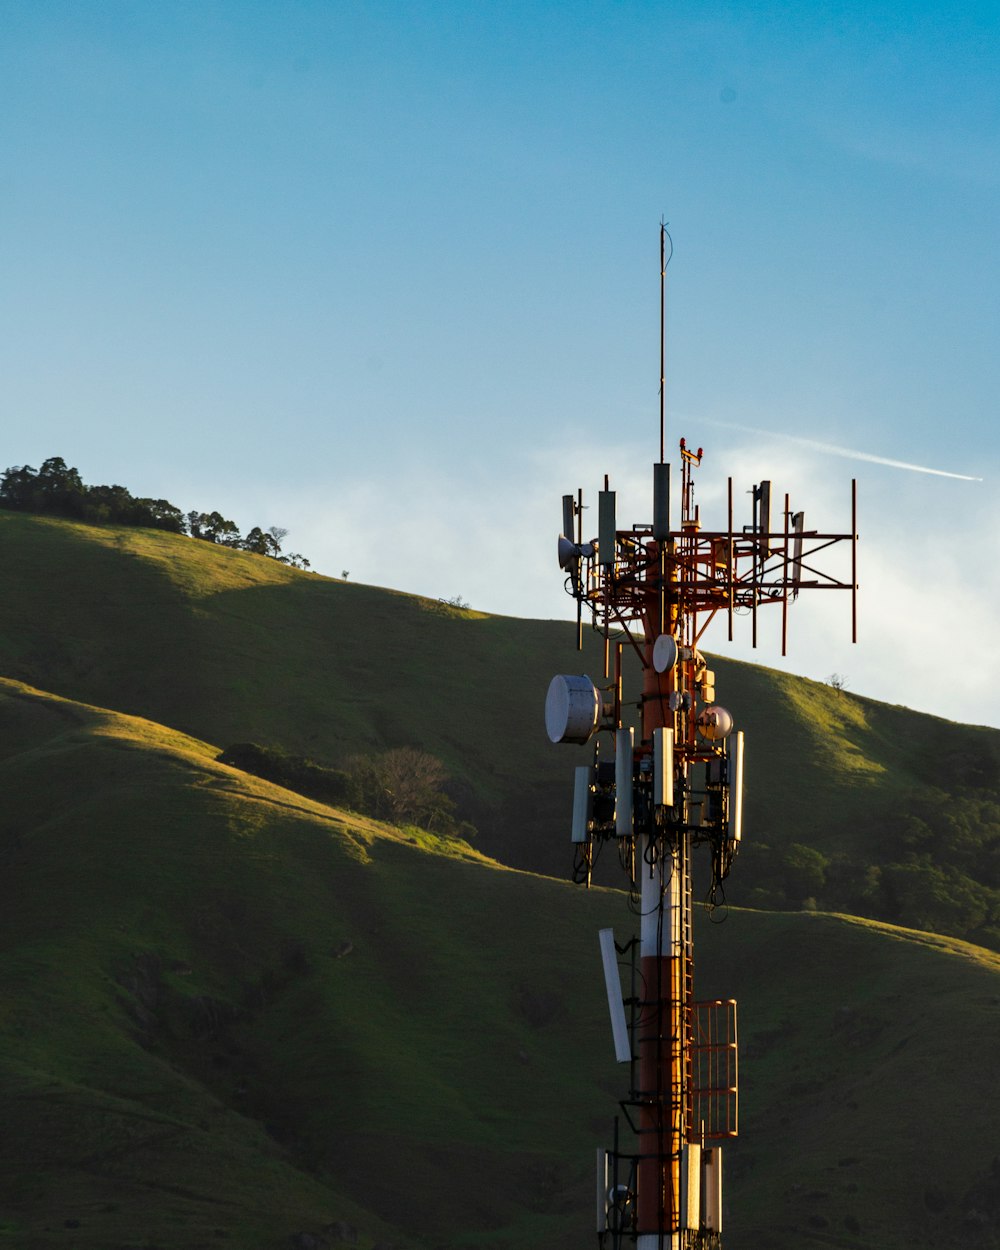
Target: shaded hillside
<point x="232" y="1016"/>
<point x="852" y="805"/>
<point x="845" y="1089"/>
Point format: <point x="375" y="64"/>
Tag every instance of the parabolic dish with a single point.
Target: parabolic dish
<point x="664" y="653"/>
<point x="715" y="723"/>
<point x="572" y="709"/>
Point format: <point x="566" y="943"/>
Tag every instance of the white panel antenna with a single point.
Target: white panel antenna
<point x="568" y="513"/>
<point x="623" y="782"/>
<point x="661" y="502"/>
<point x="713" y="1189"/>
<point x="762" y="517"/>
<point x="583" y="799"/>
<point x="663" y="767"/>
<point x="735" y="766"/>
<point x="602" y="1190"/>
<point x="798" y="526"/>
<point x="619" y="1029"/>
<point x="692" y="1188"/>
<point x="606" y="523"/>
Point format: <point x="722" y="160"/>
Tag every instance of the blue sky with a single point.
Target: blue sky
<point x="387" y="275"/>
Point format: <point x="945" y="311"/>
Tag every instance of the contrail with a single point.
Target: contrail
<point x="831" y="450"/>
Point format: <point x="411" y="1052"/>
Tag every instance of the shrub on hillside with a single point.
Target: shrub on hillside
<point x="403" y="786"/>
<point x="294" y="772"/>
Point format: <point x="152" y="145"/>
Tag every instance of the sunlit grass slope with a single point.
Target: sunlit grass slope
<point x="229" y="1015"/>
<point x="226" y="1008"/>
<point x="851" y="804"/>
<point x="235" y="647"/>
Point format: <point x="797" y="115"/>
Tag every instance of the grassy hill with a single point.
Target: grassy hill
<point x="227" y="1008"/>
<point x="852" y="805"/>
<point x="234" y="1016"/>
<point x="235" y="647"/>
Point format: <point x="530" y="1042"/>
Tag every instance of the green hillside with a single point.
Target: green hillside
<point x="235" y="647"/>
<point x="228" y="1011"/>
<point x="233" y="1016"/>
<point x="852" y="805"/>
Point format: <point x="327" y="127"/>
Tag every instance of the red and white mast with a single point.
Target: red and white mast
<point x="662" y="787"/>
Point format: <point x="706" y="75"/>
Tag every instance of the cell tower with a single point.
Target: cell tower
<point x="660" y="791"/>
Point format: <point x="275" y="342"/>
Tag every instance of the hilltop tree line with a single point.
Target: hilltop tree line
<point x="58" y="490"/>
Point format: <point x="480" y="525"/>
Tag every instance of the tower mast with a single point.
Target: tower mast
<point x="661" y="787"/>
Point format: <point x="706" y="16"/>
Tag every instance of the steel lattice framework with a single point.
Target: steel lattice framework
<point x="659" y="790"/>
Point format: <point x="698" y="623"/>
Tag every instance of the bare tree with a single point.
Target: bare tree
<point x="403" y="786"/>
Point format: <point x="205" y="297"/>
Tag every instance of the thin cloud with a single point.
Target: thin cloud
<point x="847" y="453"/>
<point x="490" y="537"/>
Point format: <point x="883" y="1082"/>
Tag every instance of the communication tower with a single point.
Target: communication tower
<point x="659" y="791"/>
